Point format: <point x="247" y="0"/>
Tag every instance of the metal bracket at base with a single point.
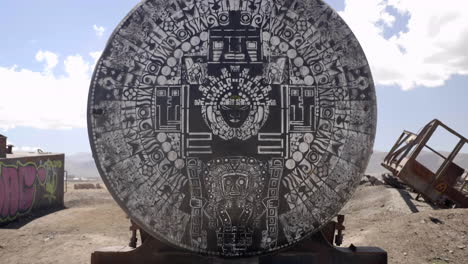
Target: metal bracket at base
<point x="317" y="249"/>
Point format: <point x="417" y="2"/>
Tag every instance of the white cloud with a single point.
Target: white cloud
<point x="428" y="54"/>
<point x="50" y="59"/>
<point x="76" y="67"/>
<point x="99" y="30"/>
<point x="43" y="99"/>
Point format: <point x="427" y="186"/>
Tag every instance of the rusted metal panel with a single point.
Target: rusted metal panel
<point x="29" y="184"/>
<point x="438" y="187"/>
<point x="3" y="146"/>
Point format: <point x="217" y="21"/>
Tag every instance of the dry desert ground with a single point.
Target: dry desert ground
<point x="410" y="231"/>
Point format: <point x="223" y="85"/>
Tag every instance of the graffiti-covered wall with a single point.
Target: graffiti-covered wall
<point x="30" y="183"/>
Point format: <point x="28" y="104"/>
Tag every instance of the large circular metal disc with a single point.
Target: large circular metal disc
<point x="232" y="128"/>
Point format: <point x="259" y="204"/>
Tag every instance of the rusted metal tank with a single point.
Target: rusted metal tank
<point x="232" y="128"/>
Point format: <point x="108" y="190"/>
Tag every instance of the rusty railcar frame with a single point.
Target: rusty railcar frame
<point x="444" y="187"/>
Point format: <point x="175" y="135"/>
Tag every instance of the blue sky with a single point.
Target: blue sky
<point x="51" y="44"/>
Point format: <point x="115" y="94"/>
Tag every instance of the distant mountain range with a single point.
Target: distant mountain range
<point x="81" y="165"/>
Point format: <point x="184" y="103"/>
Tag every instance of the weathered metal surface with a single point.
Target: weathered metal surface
<point x="444" y="186"/>
<point x="232" y="128"/>
<point x="317" y="248"/>
<point x="30" y="183"/>
<point x="3" y="146"/>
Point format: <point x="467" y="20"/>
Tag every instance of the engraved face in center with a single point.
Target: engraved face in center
<point x="235" y="105"/>
<point x="235" y="110"/>
<point x="235" y="185"/>
<point x="235" y="96"/>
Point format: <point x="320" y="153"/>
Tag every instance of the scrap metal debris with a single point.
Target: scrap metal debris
<point x="443" y="185"/>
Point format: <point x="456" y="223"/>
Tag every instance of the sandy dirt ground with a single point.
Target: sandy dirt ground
<point x="91" y="220"/>
<point x="410" y="231"/>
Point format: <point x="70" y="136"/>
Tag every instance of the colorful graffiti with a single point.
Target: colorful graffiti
<point x="29" y="184"/>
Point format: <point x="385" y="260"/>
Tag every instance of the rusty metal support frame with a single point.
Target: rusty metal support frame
<point x="394" y="157"/>
<point x="403" y="156"/>
<point x="316" y="249"/>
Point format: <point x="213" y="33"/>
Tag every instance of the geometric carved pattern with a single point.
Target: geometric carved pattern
<point x="233" y="127"/>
